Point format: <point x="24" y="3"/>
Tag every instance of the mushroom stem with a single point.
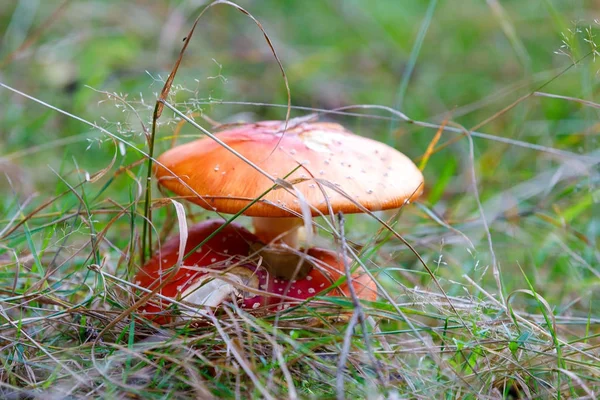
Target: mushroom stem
<point x="283" y="230"/>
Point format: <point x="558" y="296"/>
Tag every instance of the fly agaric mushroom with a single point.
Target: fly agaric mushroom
<point x="229" y="246"/>
<point x="340" y="171"/>
<point x="328" y="269"/>
<point x="227" y="252"/>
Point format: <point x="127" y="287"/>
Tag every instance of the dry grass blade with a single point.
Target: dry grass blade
<point x="430" y="148"/>
<point x="169" y="82"/>
<point x="77" y="118"/>
<point x="183" y="231"/>
<point x="161" y="101"/>
<point x="567" y="98"/>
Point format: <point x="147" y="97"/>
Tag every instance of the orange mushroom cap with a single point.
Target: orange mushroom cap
<point x="370" y="173"/>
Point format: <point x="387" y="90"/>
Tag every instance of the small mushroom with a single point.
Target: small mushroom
<point x="221" y="252"/>
<point x="223" y="270"/>
<point x="340" y="171"/>
<point x="328" y="268"/>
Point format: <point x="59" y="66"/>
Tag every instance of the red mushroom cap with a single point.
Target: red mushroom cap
<point x="230" y="246"/>
<point x="281" y="292"/>
<point x="364" y="287"/>
<point x="329" y="268"/>
<point x="220" y="252"/>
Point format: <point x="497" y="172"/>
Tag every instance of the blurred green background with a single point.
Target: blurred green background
<point x="532" y="172"/>
<point x="462" y="60"/>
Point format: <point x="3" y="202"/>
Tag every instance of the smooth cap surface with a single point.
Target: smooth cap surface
<point x="337" y="167"/>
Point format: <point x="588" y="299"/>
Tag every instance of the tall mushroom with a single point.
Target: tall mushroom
<point x="221" y="269"/>
<point x="340" y="171"/>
